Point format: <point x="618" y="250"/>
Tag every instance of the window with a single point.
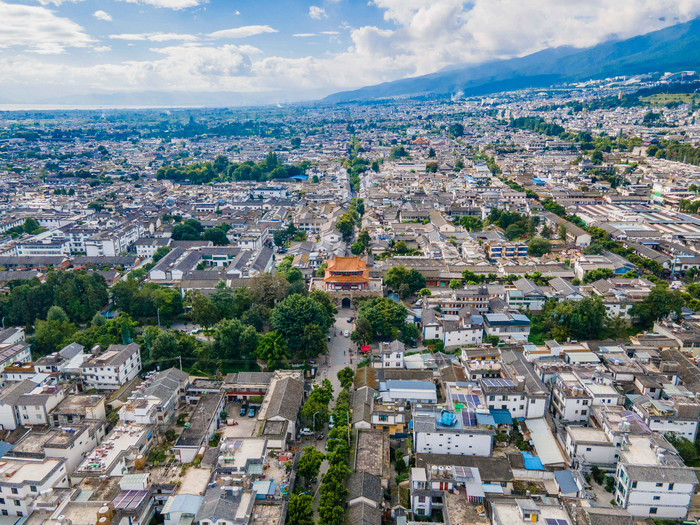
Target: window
<point x="32" y="488"/>
<point x="657" y="498"/>
<point x="421" y="499"/>
<point x="17" y="502"/>
<point x="670" y="486"/>
<point x="634" y="484"/>
<point x="659" y="484"/>
<point x="652" y="510"/>
<point x="14" y="491"/>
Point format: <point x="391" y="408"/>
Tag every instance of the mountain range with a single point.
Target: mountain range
<point x="672" y="49"/>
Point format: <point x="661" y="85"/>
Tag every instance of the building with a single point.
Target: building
<point x="113" y="368"/>
<point x="22" y="481"/>
<point x="443" y="432"/>
<point x="346" y="274"/>
<point x="652" y="481"/>
<point x="226" y="505"/>
<point x="408" y="391"/>
<point x="203" y="423"/>
<point x="155" y="400"/>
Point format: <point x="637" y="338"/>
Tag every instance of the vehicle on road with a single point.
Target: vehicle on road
<point x="244" y="409"/>
<point x="331" y="423"/>
<point x="319" y="437"/>
<point x="346" y="333"/>
<point x="251" y="412"/>
<point x="307" y="432"/>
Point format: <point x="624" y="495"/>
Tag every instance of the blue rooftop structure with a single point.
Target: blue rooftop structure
<point x="501" y="416"/>
<point x="264" y="488"/>
<point x="537" y="181"/>
<point x="300" y="177"/>
<point x="565" y="480"/>
<point x="4" y="448"/>
<point x="532" y="462"/>
<point x="486" y="419"/>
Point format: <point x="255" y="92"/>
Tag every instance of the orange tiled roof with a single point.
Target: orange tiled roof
<point x="346" y="264"/>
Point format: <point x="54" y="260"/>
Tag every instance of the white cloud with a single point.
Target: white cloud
<point x="102" y="15"/>
<point x="38" y="29"/>
<point x="304" y="35"/>
<point x="169" y="4"/>
<point x="419" y="36"/>
<point x="241" y="32"/>
<point x="237" y="12"/>
<point x="101" y="49"/>
<point x="154" y="37"/>
<point x="317" y="13"/>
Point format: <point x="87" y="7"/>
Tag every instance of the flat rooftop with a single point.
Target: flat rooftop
<point x="461" y="510"/>
<point x="27" y="470"/>
<point x="120" y="439"/>
<point x="589" y="435"/>
<point x="77" y="403"/>
<point x="35" y="441"/>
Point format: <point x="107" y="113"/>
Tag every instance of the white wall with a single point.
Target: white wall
<point x="458" y="444"/>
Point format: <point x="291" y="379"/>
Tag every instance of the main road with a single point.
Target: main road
<point x="338" y="358"/>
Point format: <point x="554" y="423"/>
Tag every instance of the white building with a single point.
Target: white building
<point x="586" y="445"/>
<point x="112" y="369"/>
<point x="652" y="481"/>
<point x="22" y="481"/>
<point x="456" y="434"/>
<point x="408" y="391"/>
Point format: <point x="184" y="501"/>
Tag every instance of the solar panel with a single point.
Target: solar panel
<point x="237" y="444"/>
<point x="469" y="418"/>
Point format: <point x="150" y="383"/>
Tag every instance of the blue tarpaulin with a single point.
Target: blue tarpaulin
<point x="532" y="462"/>
<point x="502" y="416"/>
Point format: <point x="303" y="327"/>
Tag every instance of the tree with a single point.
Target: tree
<point x="234" y="341"/>
<point x="272" y="349"/>
<point x="309" y="464"/>
<point x="546" y="232"/>
<point x="514" y="231"/>
<point x="31" y="226"/>
<point x="56" y="313"/>
<point x="386" y="317"/>
<point x="597" y="274"/>
<point x="346" y="376"/>
<point x="396" y="276"/>
<point x="431" y="153"/>
<point x="185" y="232"/>
<point x="660" y="302"/>
<point x="456" y="130"/>
<point x="51" y="336"/>
<point x="561" y="231"/>
<point x="425" y="292"/>
<point x="538" y="247"/>
<point x="345" y="225"/>
<point x="471" y="224"/>
<point x="582" y="319"/>
<point x="410" y="333"/>
<point x="268" y="288"/>
<point x="363" y="334"/>
<point x="304" y="322"/>
<point x="300" y="510"/>
<point x="203" y="312"/>
<point x="161" y="252"/>
<point x="216" y="235"/>
<point x="431" y="167"/>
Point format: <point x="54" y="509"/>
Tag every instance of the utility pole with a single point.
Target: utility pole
<point x="180" y="358"/>
<point x="158" y="314"/>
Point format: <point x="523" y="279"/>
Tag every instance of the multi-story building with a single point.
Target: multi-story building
<point x="113" y="368"/>
<point x="22" y="481"/>
<point x="571" y="402"/>
<point x="651" y="479"/>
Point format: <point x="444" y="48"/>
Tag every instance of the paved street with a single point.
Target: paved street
<point x="338" y="357"/>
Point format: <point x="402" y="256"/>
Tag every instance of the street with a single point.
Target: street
<point x="338" y="358"/>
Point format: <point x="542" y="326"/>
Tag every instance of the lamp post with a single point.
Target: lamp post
<point x="314" y="420"/>
<point x="158" y="314"/>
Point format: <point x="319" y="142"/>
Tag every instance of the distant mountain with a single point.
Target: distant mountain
<point x="675" y="48"/>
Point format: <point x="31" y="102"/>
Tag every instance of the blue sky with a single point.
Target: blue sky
<point x="281" y="50"/>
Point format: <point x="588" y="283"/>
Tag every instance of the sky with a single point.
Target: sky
<point x="271" y="51"/>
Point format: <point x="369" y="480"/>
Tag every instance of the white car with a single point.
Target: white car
<point x="307" y="432"/>
<point x="346" y="333"/>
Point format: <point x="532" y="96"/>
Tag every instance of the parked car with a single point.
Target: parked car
<point x="346" y="333"/>
<point x="251" y="412"/>
<point x="307" y="432"/>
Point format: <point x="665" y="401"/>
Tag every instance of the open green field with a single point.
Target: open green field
<point x="661" y="99"/>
